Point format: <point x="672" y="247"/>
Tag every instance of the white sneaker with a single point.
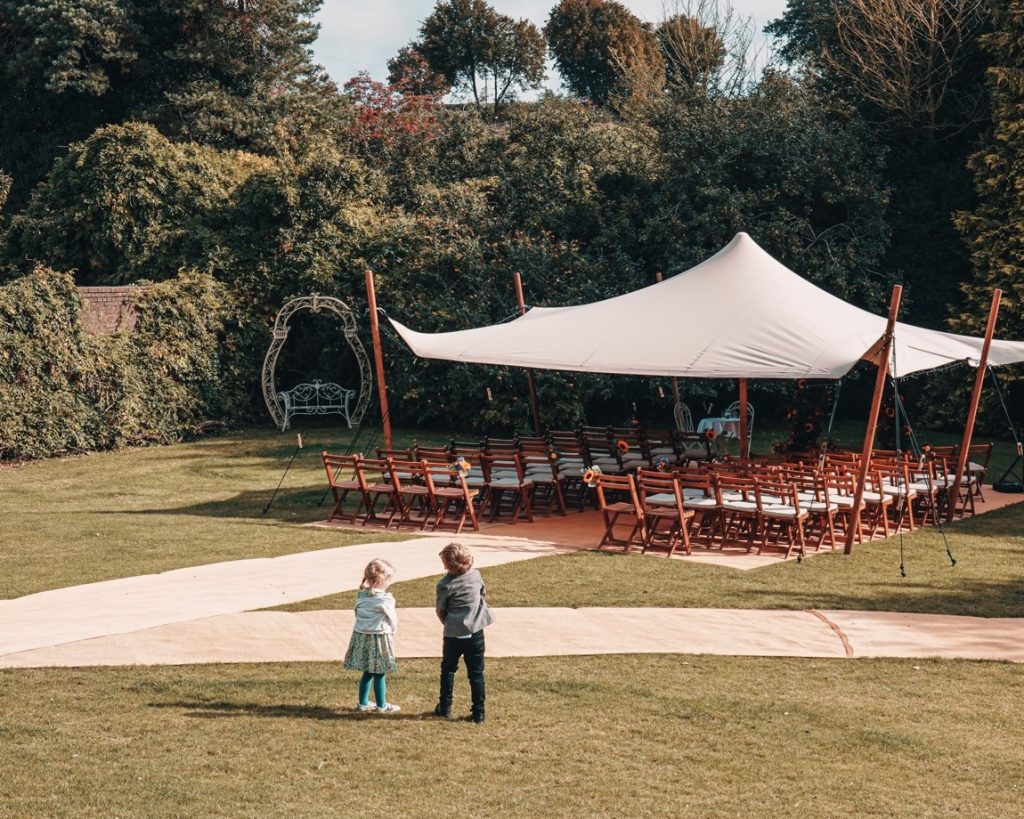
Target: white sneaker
<point x="389" y="708"/>
<point x="370" y="706"/>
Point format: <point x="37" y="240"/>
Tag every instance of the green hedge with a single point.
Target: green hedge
<point x="62" y="390"/>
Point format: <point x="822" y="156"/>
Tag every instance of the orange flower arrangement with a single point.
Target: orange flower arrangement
<point x="460" y="466"/>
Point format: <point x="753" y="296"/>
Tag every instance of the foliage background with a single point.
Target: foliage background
<point x="211" y="157"/>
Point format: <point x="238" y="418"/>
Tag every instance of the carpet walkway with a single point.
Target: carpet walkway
<point x="204" y="614"/>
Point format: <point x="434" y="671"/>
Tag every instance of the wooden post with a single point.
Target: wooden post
<point x="972" y="411"/>
<point x="378" y="357"/>
<point x="534" y="403"/>
<point x="744" y="436"/>
<point x="876" y="403"/>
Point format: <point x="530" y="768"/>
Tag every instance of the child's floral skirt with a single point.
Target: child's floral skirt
<point x="374" y="653"/>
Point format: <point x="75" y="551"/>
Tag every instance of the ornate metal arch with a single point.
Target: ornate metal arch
<point x="315" y="303"/>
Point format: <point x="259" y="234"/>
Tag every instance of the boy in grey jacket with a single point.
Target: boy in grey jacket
<point x="462" y="607"/>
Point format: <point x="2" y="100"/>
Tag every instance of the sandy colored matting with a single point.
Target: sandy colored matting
<point x="273" y="636"/>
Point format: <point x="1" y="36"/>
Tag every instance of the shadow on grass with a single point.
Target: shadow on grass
<point x="222" y="709"/>
<point x="970" y="598"/>
<point x="292" y="505"/>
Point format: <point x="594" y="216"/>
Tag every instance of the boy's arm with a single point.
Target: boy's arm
<point x="441" y="603"/>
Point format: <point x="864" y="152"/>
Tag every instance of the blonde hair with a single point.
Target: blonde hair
<point x="457" y="559"/>
<point x="378" y="574"/>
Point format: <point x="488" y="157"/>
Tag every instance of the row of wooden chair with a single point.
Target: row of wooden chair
<point x="720" y="508"/>
<point x="795" y="505"/>
<point x="393" y="492"/>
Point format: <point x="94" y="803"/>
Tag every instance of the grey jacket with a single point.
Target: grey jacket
<point x="461" y="604"/>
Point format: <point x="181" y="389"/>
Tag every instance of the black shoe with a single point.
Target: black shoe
<point x="477" y="717"/>
<point x="441" y="711"/>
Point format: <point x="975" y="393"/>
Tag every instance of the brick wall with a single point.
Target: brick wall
<point x="108" y="309"/>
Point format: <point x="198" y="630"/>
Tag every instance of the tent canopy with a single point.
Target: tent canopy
<point x="739" y="314"/>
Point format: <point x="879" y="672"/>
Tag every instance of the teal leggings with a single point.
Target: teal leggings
<point x="380" y="689"/>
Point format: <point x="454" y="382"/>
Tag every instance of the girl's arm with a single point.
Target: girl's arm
<point x="389" y="610"/>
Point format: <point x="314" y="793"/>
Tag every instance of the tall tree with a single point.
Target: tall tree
<point x="914" y="73"/>
<point x="410" y="72"/>
<point x="603" y="51"/>
<point x="478" y="50"/>
<point x="994" y="229"/>
<point x="693" y="52"/>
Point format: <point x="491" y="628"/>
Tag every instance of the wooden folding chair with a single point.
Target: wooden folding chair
<point x="507" y="490"/>
<point x="570" y="462"/>
<point x="978" y="458"/>
<point x="542" y="470"/>
<point x="661" y="499"/>
<point x="961" y="497"/>
<point x="929" y="491"/>
<point x="877" y="502"/>
<point x="410" y="482"/>
<point x="699" y="497"/>
<point x="737" y="504"/>
<point x="612" y="510"/>
<point x="630" y="447"/>
<point x="400" y="454"/>
<point x="440" y="454"/>
<point x="341" y="487"/>
<point x="692" y="447"/>
<point x="814" y="498"/>
<point x="894" y="481"/>
<point x="598" y="445"/>
<point x="779" y="510"/>
<point x="376" y="482"/>
<point x="452" y="502"/>
<point x="840" y="487"/>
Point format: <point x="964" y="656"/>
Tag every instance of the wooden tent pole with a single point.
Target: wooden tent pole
<point x="876" y="403"/>
<point x="972" y="411"/>
<point x="744" y="436"/>
<point x="534" y="403"/>
<point x="378" y="357"/>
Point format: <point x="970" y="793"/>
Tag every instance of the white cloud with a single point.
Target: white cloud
<point x="356" y="35"/>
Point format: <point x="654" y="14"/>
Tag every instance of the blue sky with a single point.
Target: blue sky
<point x="358" y="35"/>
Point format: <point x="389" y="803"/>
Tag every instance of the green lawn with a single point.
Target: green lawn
<point x="594" y="736"/>
<point x="118" y="514"/>
<point x="590" y="736"/>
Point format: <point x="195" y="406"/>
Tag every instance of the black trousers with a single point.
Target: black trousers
<point x="472" y="651"/>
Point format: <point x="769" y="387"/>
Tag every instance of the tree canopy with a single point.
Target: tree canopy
<point x="603" y="51"/>
<point x="195" y="146"/>
<point x="994" y="228"/>
<point x="480" y="51"/>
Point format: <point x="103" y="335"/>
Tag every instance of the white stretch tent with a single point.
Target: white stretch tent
<point x="740" y="314"/>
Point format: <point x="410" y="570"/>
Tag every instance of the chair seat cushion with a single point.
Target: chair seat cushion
<point x="779" y="510"/>
<point x="509" y="483"/>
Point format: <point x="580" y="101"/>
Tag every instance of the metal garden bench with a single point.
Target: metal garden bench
<point x="317" y="398"/>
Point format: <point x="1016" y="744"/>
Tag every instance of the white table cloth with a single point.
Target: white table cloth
<point x="730" y="427"/>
